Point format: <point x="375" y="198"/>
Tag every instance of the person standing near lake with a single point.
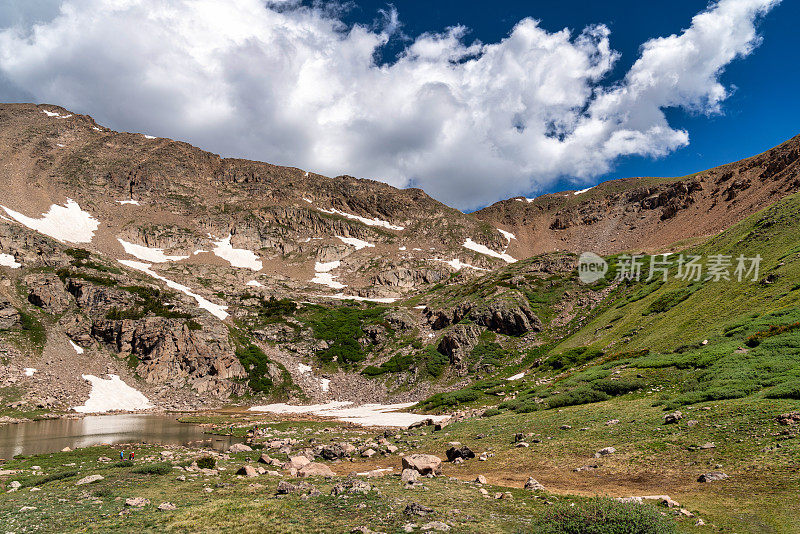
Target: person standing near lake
<point x="122" y="454"/>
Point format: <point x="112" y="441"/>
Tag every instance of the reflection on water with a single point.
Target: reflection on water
<point x="39" y="437"/>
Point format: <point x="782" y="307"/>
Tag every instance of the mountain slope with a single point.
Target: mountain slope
<point x="649" y="213"/>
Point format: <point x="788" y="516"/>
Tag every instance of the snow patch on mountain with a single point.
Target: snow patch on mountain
<point x="327" y="279"/>
<point x="254" y="283"/>
<point x="7" y="260"/>
<point x="154" y="255"/>
<point x="217" y="310"/>
<point x="68" y="223"/>
<point x="483" y="249"/>
<point x="369" y="222"/>
<point x="507" y="235"/>
<point x="325" y="267"/>
<point x="112" y="394"/>
<point x="457" y="264"/>
<point x="129" y="201"/>
<point x="78" y="349"/>
<point x="237" y="257"/>
<point x="358" y="243"/>
<point x="580" y="192"/>
<point x="55" y="114"/>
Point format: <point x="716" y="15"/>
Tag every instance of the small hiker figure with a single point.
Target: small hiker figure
<point x="122" y="454"/>
<point x="131" y="456"/>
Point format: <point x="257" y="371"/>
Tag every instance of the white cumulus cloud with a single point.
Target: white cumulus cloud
<point x="469" y="122"/>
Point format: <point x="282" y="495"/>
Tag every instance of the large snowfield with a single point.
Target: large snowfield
<point x="154" y="255"/>
<point x="68" y="223"/>
<point x="365" y="414"/>
<point x="237" y="257"/>
<point x="112" y="394"/>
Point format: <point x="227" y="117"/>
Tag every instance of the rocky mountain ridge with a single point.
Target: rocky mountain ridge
<point x="198" y="277"/>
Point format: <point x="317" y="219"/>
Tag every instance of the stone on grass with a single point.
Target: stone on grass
<point x="605" y="452"/>
<point x="89" y="479"/>
<point x="315" y="469"/>
<point x="480" y="479"/>
<point x="533" y="485"/>
<point x="417" y="509"/>
<point x="713" y="476"/>
<point x="409" y="476"/>
<point x="424" y="464"/>
<point x="137" y="502"/>
<point x="672" y="418"/>
<point x="239" y="447"/>
<point x="435" y="525"/>
<point x="166" y="506"/>
<point x="247" y="471"/>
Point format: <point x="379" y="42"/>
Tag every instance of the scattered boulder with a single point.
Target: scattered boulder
<point x="480" y="479"/>
<point x="239" y="447"/>
<point x="409" y="476"/>
<point x="315" y="469"/>
<point x="247" y="471"/>
<point x="265" y="459"/>
<point x="369" y="453"/>
<point x="89" y="479"/>
<point x="605" y="452"/>
<point x="424" y="464"/>
<point x="297" y="462"/>
<point x="713" y="476"/>
<point x="417" y="509"/>
<point x="461" y="452"/>
<point x="672" y="418"/>
<point x="533" y="485"/>
<point x="285" y="488"/>
<point x="166" y="506"/>
<point x="435" y="525"/>
<point x="790" y="418"/>
<point x="351" y="486"/>
<point x="137" y="502"/>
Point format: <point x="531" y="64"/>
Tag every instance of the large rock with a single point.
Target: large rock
<point x="508" y="314"/>
<point x="47" y="291"/>
<point x="533" y="485"/>
<point x="247" y="471"/>
<point x="672" y="418"/>
<point x="315" y="469"/>
<point x="713" y="476"/>
<point x="89" y="479"/>
<point x="168" y="350"/>
<point x="464" y="453"/>
<point x="10" y="318"/>
<point x="239" y="447"/>
<point x="458" y="342"/>
<point x="424" y="464"/>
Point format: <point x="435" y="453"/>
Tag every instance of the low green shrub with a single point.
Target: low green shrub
<point x="668" y="300"/>
<point x="603" y="516"/>
<point x="206" y="462"/>
<point x="577" y="396"/>
<point x="154" y="469"/>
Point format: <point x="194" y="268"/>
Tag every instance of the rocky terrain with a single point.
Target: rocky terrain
<point x="199" y="279"/>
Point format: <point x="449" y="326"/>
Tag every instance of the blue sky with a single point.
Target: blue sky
<point x="763" y="111"/>
<point x="472" y="101"/>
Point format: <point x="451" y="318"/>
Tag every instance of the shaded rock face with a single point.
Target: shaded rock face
<point x="99" y="300"/>
<point x="458" y="342"/>
<point x="407" y="278"/>
<point x="168" y="350"/>
<point x="423" y="464"/>
<point x="9" y="316"/>
<point x="46" y="291"/>
<point x="509" y="317"/>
